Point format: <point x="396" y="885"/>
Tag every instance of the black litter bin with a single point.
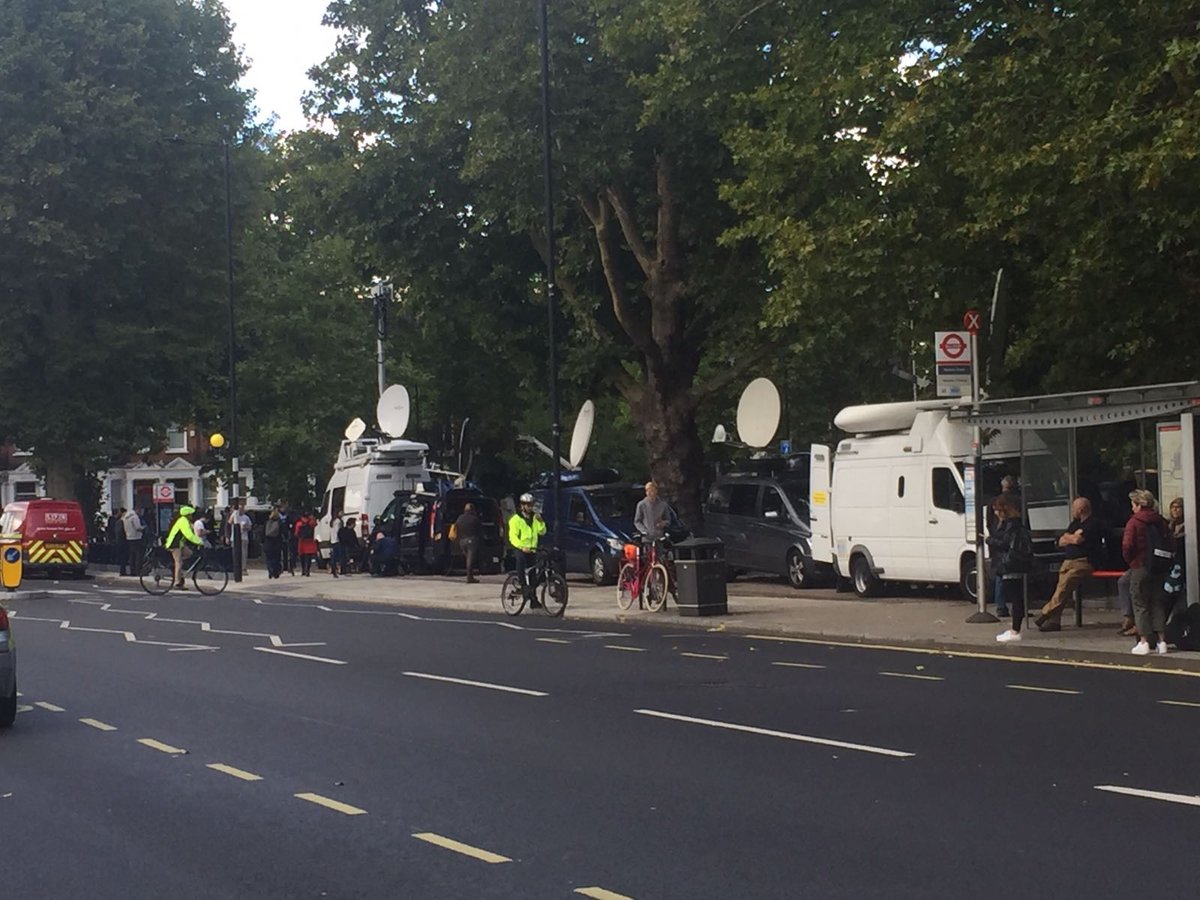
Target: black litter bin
<point x="700" y="577"/>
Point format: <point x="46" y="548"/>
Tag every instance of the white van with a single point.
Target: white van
<point x="890" y="504"/>
<point x="366" y="476"/>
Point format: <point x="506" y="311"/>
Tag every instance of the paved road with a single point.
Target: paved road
<point x="351" y="751"/>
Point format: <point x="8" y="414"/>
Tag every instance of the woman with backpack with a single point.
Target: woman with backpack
<point x="273" y="544"/>
<point x="1147" y="547"/>
<point x="1011" y="548"/>
<point x="306" y="542"/>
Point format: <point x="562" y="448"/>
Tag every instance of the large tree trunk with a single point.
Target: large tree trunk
<point x="62" y="475"/>
<point x="665" y="416"/>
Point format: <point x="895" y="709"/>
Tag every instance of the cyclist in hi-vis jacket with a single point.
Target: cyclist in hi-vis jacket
<point x="181" y="532"/>
<point x="525" y="528"/>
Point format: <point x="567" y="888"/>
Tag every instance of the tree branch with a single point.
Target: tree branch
<point x="600" y="213"/>
<point x="724" y="378"/>
<point x="669" y="257"/>
<point x="621" y="205"/>
<point x="742" y="18"/>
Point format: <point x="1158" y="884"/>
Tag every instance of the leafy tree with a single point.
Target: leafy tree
<point x="111" y="236"/>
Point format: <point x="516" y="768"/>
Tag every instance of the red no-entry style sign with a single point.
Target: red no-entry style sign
<point x="972" y="320"/>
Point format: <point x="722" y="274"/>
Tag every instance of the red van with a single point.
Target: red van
<point x="53" y="535"/>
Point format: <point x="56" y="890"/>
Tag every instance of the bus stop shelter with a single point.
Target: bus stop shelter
<point x="1067" y="413"/>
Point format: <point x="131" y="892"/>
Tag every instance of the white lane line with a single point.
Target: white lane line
<point x="623" y="647"/>
<point x="1179" y="703"/>
<point x="1183" y="799"/>
<point x="704" y="656"/>
<point x="796" y="665"/>
<point x="49" y="707"/>
<point x="98" y="725"/>
<point x="1041" y="690"/>
<point x="911" y="675"/>
<point x="446" y="843"/>
<point x="478" y="684"/>
<point x="235" y="772"/>
<point x="786" y="735"/>
<point x="551" y="641"/>
<point x="24" y="708"/>
<point x="321" y="659"/>
<point x="336" y="805"/>
<point x="161" y="747"/>
<point x="599" y="893"/>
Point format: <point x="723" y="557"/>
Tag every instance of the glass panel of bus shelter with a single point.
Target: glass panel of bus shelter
<point x="1045" y="479"/>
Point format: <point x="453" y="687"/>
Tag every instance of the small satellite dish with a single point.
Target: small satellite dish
<point x="758" y="413"/>
<point x="355" y="429"/>
<point x="720" y="436"/>
<point x="392" y="411"/>
<point x="582" y="435"/>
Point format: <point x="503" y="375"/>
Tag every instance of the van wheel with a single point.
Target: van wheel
<point x="8" y="708"/>
<point x="599" y="573"/>
<point x="798" y="574"/>
<point x="966" y="578"/>
<point x="866" y="584"/>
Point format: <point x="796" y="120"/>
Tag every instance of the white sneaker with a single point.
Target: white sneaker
<point x="1006" y="637"/>
<point x="1162" y="648"/>
<point x="1142" y="649"/>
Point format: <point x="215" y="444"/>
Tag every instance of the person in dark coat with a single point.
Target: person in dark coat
<point x="1011" y="549"/>
<point x="468" y="527"/>
<point x="273" y="538"/>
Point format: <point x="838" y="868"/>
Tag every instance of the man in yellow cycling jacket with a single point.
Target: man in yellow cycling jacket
<point x="525" y="528"/>
<point x="181" y="533"/>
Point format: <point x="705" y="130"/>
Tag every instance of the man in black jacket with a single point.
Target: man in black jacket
<point x="467" y="528"/>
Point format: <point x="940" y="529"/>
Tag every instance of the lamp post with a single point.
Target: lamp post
<point x="551" y="286"/>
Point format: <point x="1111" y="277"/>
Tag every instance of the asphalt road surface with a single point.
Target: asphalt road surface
<point x="227" y="748"/>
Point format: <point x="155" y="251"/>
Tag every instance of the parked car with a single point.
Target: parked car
<point x="8" y="672"/>
<point x="424" y="538"/>
<point x="762" y="519"/>
<point x="54" y="536"/>
<point x="597" y="525"/>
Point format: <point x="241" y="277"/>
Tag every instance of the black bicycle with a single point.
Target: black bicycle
<point x="157" y="573"/>
<point x="547" y="586"/>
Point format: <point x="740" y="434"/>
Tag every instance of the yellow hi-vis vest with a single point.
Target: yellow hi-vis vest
<point x="524" y="535"/>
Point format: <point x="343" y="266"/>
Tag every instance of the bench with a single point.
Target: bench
<point x="1102" y="574"/>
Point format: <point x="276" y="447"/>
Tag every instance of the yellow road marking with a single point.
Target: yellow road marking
<point x="236" y="773"/>
<point x="973" y="654"/>
<point x="704" y="656"/>
<point x="910" y="675"/>
<point x="1179" y="703"/>
<point x="465" y="849"/>
<point x="1040" y="690"/>
<point x="98" y="725"/>
<point x="49" y="706"/>
<point x="551" y="641"/>
<point x="160" y="746"/>
<point x="623" y="647"/>
<point x="792" y="665"/>
<point x="599" y="893"/>
<point x="331" y="804"/>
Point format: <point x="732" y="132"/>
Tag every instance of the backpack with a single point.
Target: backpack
<point x="1160" y="551"/>
<point x="272" y="529"/>
<point x="1019" y="559"/>
<point x="1183" y="628"/>
<point x="306" y="531"/>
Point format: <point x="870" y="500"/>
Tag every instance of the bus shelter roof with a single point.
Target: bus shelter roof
<point x="1083" y="408"/>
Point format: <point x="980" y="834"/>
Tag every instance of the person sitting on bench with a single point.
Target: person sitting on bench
<point x="1081" y="544"/>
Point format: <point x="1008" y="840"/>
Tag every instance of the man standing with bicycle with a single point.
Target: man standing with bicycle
<point x="525" y="529"/>
<point x="181" y="532"/>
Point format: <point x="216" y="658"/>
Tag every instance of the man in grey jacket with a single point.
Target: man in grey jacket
<point x="134" y="529"/>
<point x="651" y="517"/>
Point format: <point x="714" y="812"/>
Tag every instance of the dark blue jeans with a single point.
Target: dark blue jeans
<point x="525" y="564"/>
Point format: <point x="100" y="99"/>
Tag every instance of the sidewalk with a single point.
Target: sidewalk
<point x="754" y="608"/>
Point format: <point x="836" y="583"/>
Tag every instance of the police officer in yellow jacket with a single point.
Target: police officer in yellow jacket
<point x="525" y="528"/>
<point x="181" y="533"/>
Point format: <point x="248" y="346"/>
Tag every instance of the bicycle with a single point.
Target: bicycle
<point x="546" y="585"/>
<point x="157" y="573"/>
<point x="649" y="582"/>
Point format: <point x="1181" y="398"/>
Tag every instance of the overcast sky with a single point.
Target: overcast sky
<point x="282" y="40"/>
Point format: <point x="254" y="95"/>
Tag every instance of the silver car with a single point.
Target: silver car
<point x="8" y="672"/>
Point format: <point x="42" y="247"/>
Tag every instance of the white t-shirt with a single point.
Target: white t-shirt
<point x="201" y="530"/>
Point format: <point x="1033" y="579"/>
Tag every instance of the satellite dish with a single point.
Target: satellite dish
<point x="758" y="413"/>
<point x="392" y="411"/>
<point x="462" y="442"/>
<point x="355" y="429"/>
<point x="720" y="436"/>
<point x="582" y="436"/>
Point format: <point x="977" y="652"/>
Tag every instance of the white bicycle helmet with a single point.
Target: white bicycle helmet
<point x="527" y="498"/>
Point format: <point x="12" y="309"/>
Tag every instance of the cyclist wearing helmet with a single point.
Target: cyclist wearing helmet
<point x="181" y="532"/>
<point x="525" y="528"/>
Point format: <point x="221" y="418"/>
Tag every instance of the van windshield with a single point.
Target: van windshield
<point x="10" y="523"/>
<point x="615" y="504"/>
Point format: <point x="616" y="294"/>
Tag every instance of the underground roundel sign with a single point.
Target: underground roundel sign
<point x="953" y="347"/>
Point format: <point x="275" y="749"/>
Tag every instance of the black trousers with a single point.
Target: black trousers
<point x="470" y="549"/>
<point x="133" y="557"/>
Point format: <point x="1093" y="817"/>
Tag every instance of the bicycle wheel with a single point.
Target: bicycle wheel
<point x="512" y="598"/>
<point x="210" y="577"/>
<point x="158" y="574"/>
<point x="657" y="583"/>
<point x="627" y="586"/>
<point x="553" y="594"/>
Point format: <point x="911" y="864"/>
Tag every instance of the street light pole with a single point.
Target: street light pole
<point x="236" y="531"/>
<point x="551" y="285"/>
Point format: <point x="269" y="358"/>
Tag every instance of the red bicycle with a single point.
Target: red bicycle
<point x="645" y="579"/>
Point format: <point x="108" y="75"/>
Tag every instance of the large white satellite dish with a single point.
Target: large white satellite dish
<point x="356" y="429"/>
<point x="758" y="413"/>
<point x="582" y="435"/>
<point x="392" y="411"/>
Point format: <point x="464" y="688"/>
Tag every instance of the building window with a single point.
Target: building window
<point x="183" y="494"/>
<point x="25" y="490"/>
<point x="176" y="440"/>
